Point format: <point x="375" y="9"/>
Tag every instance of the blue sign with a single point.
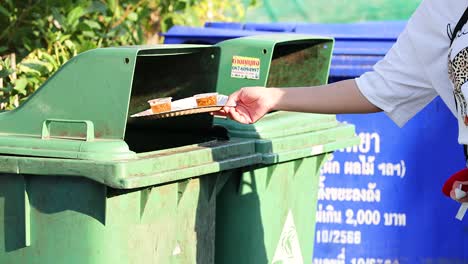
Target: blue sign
<point x="381" y="201"/>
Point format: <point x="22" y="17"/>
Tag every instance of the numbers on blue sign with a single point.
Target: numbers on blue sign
<point x="363" y="217"/>
<point x="338" y="237"/>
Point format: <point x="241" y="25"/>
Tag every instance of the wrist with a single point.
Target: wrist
<point x="276" y="95"/>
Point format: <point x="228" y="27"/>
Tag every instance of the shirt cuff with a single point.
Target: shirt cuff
<point x="367" y="90"/>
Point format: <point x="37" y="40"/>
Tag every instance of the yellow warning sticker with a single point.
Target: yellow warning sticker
<point x="245" y="68"/>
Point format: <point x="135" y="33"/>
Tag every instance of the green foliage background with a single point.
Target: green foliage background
<point x="38" y="36"/>
<point x="328" y="11"/>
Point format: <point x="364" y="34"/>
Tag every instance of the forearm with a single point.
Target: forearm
<point x="339" y="97"/>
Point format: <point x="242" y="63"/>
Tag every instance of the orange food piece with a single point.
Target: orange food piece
<point x="207" y="101"/>
<point x="160" y="108"/>
<point x="160" y="105"/>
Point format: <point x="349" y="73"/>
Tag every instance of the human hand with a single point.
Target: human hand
<point x="249" y="104"/>
<point x="453" y="183"/>
<point x="456" y="185"/>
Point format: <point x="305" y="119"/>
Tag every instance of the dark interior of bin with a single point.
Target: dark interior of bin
<point x="177" y="74"/>
<point x="300" y="63"/>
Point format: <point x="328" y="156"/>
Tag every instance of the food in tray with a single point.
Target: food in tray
<point x="160" y="105"/>
<point x="206" y="99"/>
<point x="165" y="107"/>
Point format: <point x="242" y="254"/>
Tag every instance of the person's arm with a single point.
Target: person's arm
<point x="254" y="102"/>
<point x="340" y="97"/>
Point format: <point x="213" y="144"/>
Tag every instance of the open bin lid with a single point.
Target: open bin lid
<point x="278" y="60"/>
<point x="82" y="111"/>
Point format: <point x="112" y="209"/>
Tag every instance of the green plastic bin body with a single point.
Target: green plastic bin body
<point x="56" y="219"/>
<point x="118" y="212"/>
<point x="266" y="213"/>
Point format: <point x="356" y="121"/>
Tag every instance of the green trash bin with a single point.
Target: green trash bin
<point x="266" y="212"/>
<point x="83" y="182"/>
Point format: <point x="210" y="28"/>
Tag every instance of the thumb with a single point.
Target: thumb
<point x="233" y="98"/>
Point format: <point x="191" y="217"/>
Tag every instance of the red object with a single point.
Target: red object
<point x="459" y="176"/>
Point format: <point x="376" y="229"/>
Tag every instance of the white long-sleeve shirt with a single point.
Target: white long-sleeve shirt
<point x="415" y="70"/>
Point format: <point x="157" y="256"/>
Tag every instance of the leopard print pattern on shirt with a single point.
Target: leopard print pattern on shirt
<point x="458" y="74"/>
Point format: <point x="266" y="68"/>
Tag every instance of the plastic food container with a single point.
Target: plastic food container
<point x="160" y="105"/>
<point x="206" y="99"/>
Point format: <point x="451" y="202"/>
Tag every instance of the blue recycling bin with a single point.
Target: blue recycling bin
<point x="225" y="25"/>
<point x="196" y="35"/>
<point x="381" y="201"/>
<point x="271" y="27"/>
